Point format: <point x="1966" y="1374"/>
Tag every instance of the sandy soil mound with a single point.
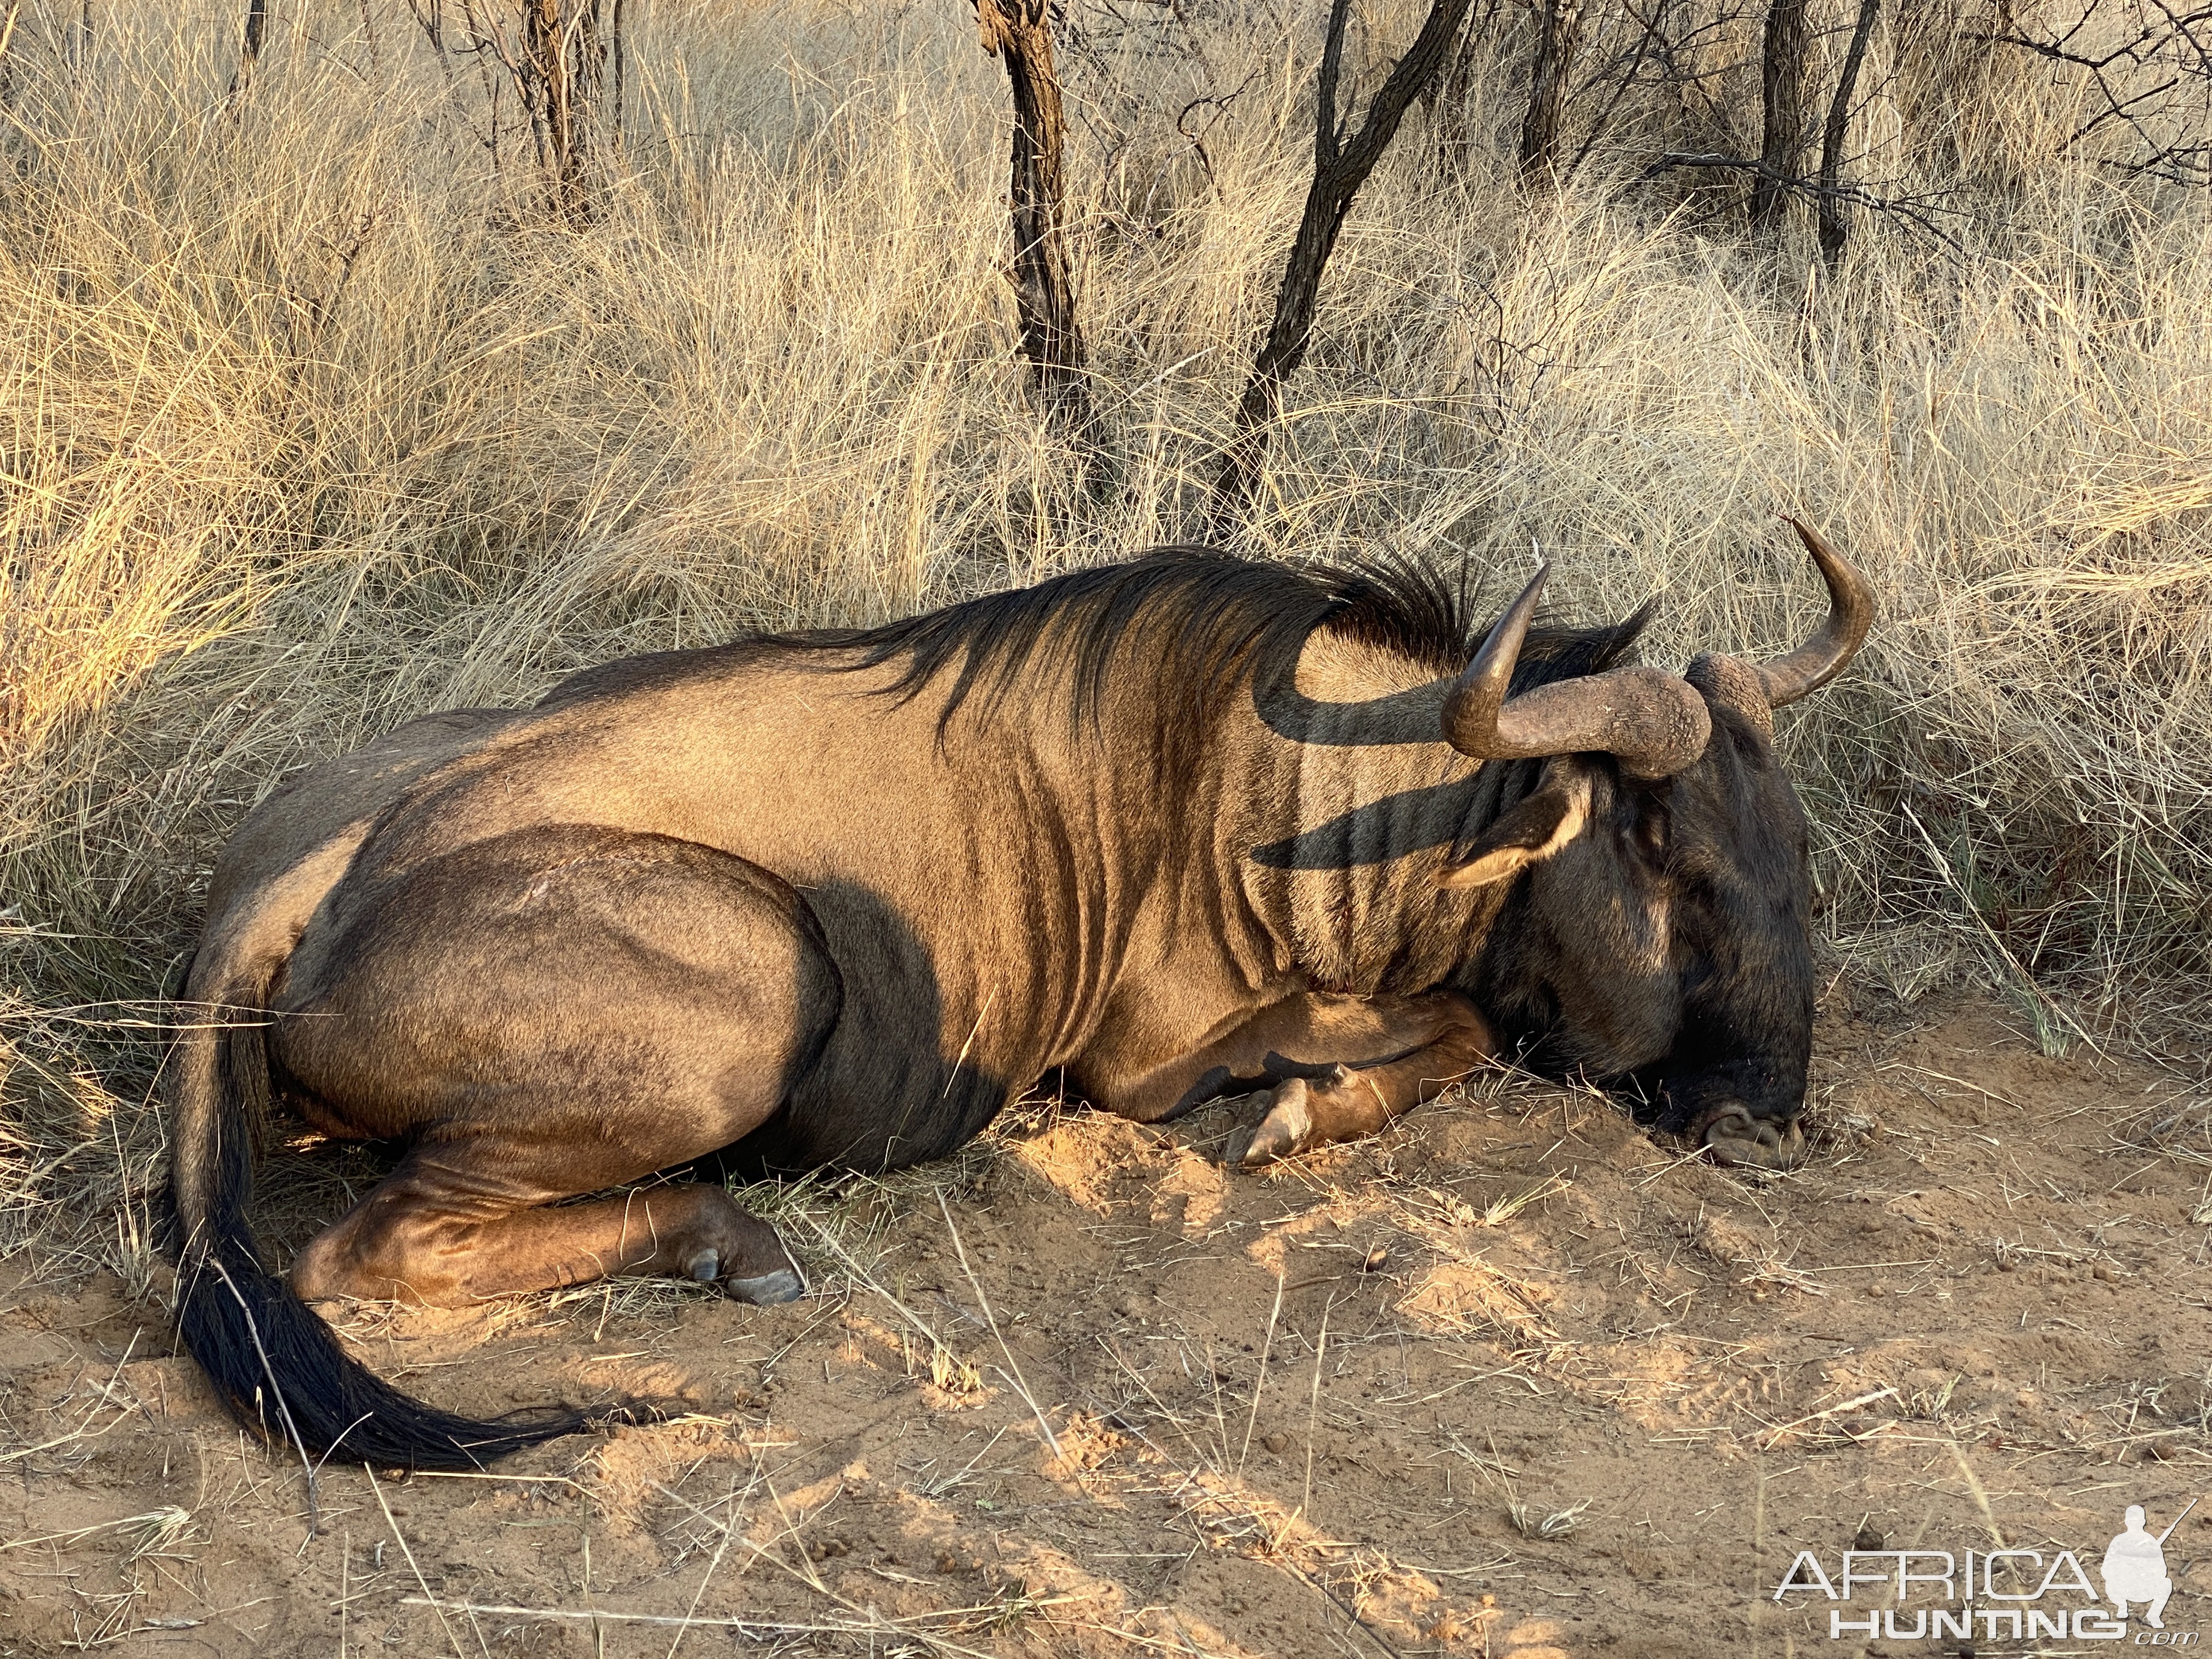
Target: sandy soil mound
<point x="1512" y="1379"/>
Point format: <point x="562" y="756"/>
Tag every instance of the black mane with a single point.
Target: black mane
<point x="1225" y="617"/>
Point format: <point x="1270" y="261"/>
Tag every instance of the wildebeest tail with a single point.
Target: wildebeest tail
<point x="277" y="1364"/>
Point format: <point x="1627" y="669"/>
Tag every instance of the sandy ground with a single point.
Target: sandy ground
<point x="1512" y="1379"/>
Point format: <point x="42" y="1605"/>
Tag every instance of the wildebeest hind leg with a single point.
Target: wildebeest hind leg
<point x="440" y="1229"/>
<point x="547" y="1014"/>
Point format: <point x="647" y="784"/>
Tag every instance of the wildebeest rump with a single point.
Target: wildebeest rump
<point x="1189" y="827"/>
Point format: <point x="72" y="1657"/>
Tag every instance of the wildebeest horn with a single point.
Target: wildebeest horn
<point x="1851" y="614"/>
<point x="1655" y="722"/>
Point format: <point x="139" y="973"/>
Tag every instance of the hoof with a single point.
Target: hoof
<point x="1282" y="1132"/>
<point x="783" y="1285"/>
<point x="1738" y="1140"/>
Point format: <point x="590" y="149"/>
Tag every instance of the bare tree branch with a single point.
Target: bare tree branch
<point x="1018" y="32"/>
<point x="1917" y="211"/>
<point x="1835" y="222"/>
<point x="1340" y="167"/>
<point x="2170" y="116"/>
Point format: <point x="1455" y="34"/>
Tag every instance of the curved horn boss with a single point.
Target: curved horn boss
<point x="1654" y="721"/>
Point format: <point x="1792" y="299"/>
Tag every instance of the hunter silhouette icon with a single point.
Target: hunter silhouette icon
<point x="2135" y="1567"/>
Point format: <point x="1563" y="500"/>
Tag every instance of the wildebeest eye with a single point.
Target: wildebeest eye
<point x="1653" y="825"/>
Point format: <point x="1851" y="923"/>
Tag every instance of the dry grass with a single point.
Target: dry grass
<point x="312" y="419"/>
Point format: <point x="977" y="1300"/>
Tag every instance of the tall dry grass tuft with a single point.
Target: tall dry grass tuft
<point x="314" y="418"/>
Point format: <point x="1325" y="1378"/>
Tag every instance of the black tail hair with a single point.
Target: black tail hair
<point x="278" y="1367"/>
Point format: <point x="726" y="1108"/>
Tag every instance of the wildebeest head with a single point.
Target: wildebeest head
<point x="1661" y="937"/>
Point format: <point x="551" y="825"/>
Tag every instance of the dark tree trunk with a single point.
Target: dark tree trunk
<point x="1339" y="169"/>
<point x="1781" y="85"/>
<point x="1018" y="33"/>
<point x="563" y="62"/>
<point x="1835" y="217"/>
<point x="249" y="48"/>
<point x="1559" y="37"/>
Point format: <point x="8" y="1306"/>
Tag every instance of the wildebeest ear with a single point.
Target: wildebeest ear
<point x="1533" y="830"/>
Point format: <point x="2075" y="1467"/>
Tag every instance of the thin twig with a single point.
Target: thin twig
<point x="283" y="1406"/>
<point x="1313" y="1403"/>
<point x="1914" y="212"/>
<point x="871" y="1621"/>
<point x="1021" y="1385"/>
<point x="437" y="1606"/>
<point x="720" y="1549"/>
<point x="1267" y="1347"/>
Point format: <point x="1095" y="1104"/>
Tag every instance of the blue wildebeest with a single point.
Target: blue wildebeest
<point x="1181" y="829"/>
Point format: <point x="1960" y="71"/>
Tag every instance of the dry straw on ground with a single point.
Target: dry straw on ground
<point x="313" y="418"/>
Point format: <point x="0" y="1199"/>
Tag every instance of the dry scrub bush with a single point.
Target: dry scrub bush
<point x="314" y="418"/>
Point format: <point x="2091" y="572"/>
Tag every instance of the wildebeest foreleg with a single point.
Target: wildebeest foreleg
<point x="1338" y="1066"/>
<point x="1319" y="1106"/>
